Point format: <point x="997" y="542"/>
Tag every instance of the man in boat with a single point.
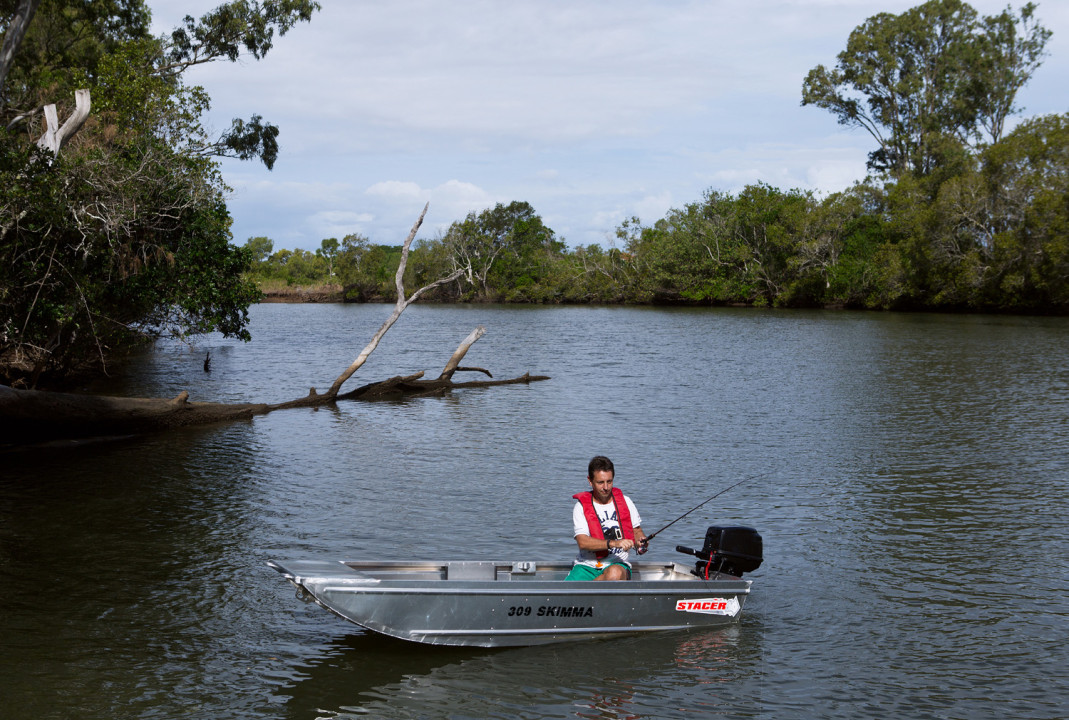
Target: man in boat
<point x="607" y="527"/>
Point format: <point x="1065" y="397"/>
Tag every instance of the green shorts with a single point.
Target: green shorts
<point x="585" y="572"/>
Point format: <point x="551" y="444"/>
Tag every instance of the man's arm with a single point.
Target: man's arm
<point x="590" y="544"/>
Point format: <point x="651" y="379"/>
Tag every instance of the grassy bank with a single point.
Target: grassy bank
<point x="279" y="292"/>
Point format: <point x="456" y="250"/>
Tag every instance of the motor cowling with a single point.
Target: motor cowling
<point x="733" y="550"/>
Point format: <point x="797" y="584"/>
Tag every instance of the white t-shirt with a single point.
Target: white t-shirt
<point x="607" y="515"/>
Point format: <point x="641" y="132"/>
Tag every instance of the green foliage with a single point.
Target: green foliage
<point x="125" y="234"/>
<point x="856" y="267"/>
<point x="428" y="261"/>
<point x="328" y="250"/>
<point x="249" y="140"/>
<point x="136" y="259"/>
<point x="64" y="45"/>
<point x="1027" y="232"/>
<point x="995" y="238"/>
<point x="259" y="249"/>
<point x="728" y="249"/>
<point x="235" y="25"/>
<point x="930" y="81"/>
<point x="1010" y="48"/>
<point x="366" y="271"/>
<point x="509" y="251"/>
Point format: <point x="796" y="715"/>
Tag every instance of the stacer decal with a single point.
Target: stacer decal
<point x="710" y="606"/>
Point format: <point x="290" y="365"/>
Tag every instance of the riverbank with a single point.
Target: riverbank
<point x="329" y="293"/>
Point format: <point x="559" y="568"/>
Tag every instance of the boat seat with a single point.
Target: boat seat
<point x="471" y="570"/>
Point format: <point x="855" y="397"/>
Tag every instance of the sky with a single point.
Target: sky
<point x="592" y="111"/>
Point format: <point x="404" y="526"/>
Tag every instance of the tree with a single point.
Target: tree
<point x="365" y="270"/>
<point x="691" y="253"/>
<point x="126" y="234"/>
<point x="725" y="249"/>
<point x="1010" y="50"/>
<point x="432" y="259"/>
<point x="30" y="415"/>
<point x="1011" y="219"/>
<point x="507" y="249"/>
<point x="234" y="26"/>
<point x="329" y="249"/>
<point x="16" y="25"/>
<point x="50" y="53"/>
<point x="930" y="83"/>
<point x="849" y="249"/>
<point x="772" y="224"/>
<point x="259" y="249"/>
<point x="474" y="243"/>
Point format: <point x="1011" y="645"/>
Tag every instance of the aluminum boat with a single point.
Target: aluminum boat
<point x="502" y="604"/>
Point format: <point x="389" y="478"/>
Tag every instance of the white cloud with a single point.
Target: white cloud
<point x="395" y="189"/>
<point x="833" y="173"/>
<point x="339" y="223"/>
<point x="591" y="111"/>
<point x="651" y="207"/>
<point x="459" y="192"/>
<point x="449" y="201"/>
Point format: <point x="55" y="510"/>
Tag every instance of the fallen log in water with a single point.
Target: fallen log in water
<point x="28" y="416"/>
<point x="40" y="416"/>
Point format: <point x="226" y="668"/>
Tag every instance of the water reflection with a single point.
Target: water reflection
<point x="360" y="675"/>
<point x="915" y="516"/>
<point x="129" y="566"/>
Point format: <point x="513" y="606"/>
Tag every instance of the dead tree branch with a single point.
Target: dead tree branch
<point x="454" y="362"/>
<point x="399" y="308"/>
<point x="35" y="416"/>
<point x="55" y="135"/>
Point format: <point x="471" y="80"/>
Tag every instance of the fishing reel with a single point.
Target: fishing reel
<point x="732" y="550"/>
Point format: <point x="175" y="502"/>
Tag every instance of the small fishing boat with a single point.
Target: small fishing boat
<point x="502" y="604"/>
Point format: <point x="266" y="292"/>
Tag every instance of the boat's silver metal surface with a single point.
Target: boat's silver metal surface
<point x="498" y="604"/>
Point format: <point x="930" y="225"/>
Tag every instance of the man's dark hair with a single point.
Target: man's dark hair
<point x="599" y="462"/>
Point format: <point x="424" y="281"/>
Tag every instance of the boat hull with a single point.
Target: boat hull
<point x="493" y="604"/>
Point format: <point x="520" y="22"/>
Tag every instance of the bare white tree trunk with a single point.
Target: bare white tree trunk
<point x="55" y="135"/>
<point x="460" y="352"/>
<point x="399" y="308"/>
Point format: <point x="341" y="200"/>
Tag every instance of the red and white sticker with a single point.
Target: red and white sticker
<point x="710" y="606"/>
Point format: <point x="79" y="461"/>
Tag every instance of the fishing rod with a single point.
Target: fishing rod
<point x="688" y="512"/>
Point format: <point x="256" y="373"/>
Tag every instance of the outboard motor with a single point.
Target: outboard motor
<point x="733" y="550"/>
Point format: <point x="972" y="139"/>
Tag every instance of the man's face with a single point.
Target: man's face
<point x="601" y="485"/>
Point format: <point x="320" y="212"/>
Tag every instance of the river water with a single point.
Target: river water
<point x="909" y="475"/>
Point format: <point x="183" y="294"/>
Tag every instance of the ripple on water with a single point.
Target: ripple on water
<point x="903" y="472"/>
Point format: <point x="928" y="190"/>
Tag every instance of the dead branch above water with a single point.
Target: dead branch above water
<point x="38" y="416"/>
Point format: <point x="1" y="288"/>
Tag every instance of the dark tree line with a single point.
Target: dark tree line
<point x="994" y="237"/>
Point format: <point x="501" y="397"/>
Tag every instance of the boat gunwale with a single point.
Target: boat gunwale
<point x="497" y="573"/>
<point x="547" y="587"/>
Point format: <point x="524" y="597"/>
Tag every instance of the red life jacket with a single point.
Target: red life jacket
<point x="623" y="515"/>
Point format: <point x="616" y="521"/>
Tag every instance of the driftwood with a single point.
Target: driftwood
<point x="38" y="416"/>
<point x="402" y="303"/>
